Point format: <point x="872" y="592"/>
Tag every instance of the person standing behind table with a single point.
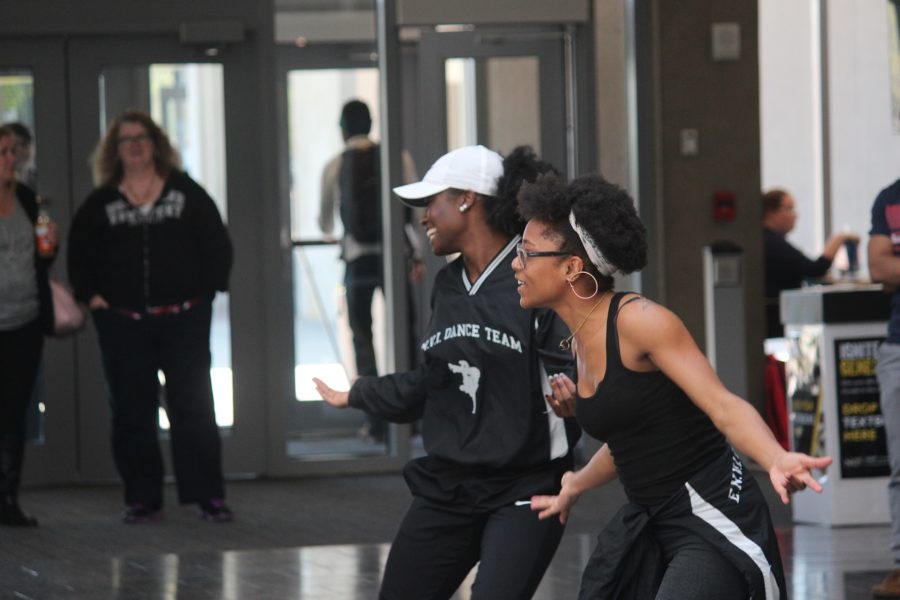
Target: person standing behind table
<point x="696" y="525"/>
<point x="785" y="266"/>
<point x="147" y="253"/>
<point x="490" y="436"/>
<point x="351" y="185"/>
<point x="26" y="315"/>
<point x="884" y="268"/>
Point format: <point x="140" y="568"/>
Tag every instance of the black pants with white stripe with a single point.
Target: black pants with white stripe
<point x="694" y="569"/>
<point x="713" y="538"/>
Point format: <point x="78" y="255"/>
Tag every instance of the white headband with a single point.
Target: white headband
<point x="601" y="262"/>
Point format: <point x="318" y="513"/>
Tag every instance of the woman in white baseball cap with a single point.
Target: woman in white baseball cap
<point x="491" y="437"/>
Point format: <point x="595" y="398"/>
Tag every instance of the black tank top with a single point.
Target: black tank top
<point x="657" y="436"/>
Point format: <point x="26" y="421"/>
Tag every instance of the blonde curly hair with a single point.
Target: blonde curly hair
<point x="105" y="162"/>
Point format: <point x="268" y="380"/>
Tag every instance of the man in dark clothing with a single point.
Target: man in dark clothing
<point x="785" y="265"/>
<point x="884" y="267"/>
<point x="363" y="260"/>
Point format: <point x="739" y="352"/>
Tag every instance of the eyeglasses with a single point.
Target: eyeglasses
<point x="127" y="139"/>
<point x="524" y="254"/>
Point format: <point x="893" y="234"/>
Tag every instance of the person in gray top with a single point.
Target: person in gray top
<point x="26" y="314"/>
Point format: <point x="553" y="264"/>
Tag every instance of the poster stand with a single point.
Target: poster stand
<point x="832" y="393"/>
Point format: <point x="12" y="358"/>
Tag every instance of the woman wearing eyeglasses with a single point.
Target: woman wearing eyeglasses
<point x="696" y="525"/>
<point x="147" y="253"/>
<point x="492" y="440"/>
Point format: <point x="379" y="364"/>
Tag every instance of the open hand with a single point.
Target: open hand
<point x="547" y="506"/>
<point x="791" y="473"/>
<point x="331" y="395"/>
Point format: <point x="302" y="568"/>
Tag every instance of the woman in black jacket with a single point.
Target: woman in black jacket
<point x="26" y="314"/>
<point x="147" y="253"/>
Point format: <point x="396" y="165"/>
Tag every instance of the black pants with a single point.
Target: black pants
<point x="20" y="355"/>
<point x="133" y="352"/>
<point x="695" y="569"/>
<point x="436" y="548"/>
<point x="361" y="278"/>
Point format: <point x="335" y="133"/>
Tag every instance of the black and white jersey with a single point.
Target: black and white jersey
<point x="488" y="431"/>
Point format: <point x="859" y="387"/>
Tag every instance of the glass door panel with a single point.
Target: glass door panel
<point x="513" y="102"/>
<point x="322" y="341"/>
<point x="494" y="101"/>
<point x="188" y="101"/>
<point x="497" y="88"/>
<point x="17" y="108"/>
<point x="462" y="105"/>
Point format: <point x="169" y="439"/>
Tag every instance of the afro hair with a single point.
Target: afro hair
<point x="520" y="166"/>
<point x="605" y="211"/>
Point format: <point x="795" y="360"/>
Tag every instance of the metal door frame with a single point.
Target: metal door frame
<point x="244" y="443"/>
<point x="547" y="44"/>
<point x="56" y="459"/>
<point x="291" y="58"/>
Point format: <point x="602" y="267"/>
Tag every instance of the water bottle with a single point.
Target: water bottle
<point x="850" y="246"/>
<point x="43" y="239"/>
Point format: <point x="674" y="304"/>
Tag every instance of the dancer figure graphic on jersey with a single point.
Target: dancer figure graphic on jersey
<point x="470" y="377"/>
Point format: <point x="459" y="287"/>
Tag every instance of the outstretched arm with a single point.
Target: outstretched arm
<point x="598" y="471"/>
<point x="336" y="398"/>
<point x="652" y="331"/>
<point x="398" y="397"/>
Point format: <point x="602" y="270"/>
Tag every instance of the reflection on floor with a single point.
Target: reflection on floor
<point x="827" y="565"/>
<point x="322" y="539"/>
<point x="346" y="446"/>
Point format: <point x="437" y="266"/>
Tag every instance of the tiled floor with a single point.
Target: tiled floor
<point x="185" y="558"/>
<point x="838" y="564"/>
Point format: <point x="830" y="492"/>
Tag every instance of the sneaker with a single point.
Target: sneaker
<point x="140" y="513"/>
<point x="215" y="510"/>
<point x="889" y="587"/>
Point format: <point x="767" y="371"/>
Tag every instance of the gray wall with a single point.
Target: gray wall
<point x="721" y="100"/>
<point x="30" y="17"/>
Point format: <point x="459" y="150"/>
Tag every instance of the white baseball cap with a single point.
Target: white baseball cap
<point x="473" y="168"/>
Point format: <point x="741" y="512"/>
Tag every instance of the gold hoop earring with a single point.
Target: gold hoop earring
<point x="596" y="285"/>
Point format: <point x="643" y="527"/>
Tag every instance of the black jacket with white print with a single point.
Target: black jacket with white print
<point x="489" y="434"/>
<point x="167" y="252"/>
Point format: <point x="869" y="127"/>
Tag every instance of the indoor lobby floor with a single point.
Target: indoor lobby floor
<point x="326" y="539"/>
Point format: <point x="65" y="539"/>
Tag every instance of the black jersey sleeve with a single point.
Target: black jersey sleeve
<point x="398" y="397"/>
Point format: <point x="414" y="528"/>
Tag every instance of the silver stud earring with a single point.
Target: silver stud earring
<point x="463" y="207"/>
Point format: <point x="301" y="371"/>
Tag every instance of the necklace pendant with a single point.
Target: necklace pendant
<point x="565" y="344"/>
